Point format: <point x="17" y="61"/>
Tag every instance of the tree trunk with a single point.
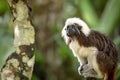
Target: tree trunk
<point x="19" y="65"/>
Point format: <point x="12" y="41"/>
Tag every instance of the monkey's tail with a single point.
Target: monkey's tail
<point x="110" y="75"/>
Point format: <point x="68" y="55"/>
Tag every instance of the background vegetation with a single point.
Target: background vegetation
<point x="54" y="60"/>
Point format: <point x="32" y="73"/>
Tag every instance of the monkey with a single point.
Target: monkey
<point x="96" y="53"/>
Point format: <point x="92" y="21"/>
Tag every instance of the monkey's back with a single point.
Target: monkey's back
<point x="108" y="56"/>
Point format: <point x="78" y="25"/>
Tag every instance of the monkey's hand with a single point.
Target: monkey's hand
<point x="87" y="71"/>
<point x="90" y="73"/>
<point x="80" y="69"/>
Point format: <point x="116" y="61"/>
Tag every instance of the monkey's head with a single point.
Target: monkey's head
<point x="74" y="27"/>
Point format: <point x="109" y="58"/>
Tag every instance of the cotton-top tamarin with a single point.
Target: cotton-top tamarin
<point x="96" y="53"/>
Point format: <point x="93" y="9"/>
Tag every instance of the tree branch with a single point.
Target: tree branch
<point x="19" y="65"/>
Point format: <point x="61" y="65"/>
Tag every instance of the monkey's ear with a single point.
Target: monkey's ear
<point x="77" y="29"/>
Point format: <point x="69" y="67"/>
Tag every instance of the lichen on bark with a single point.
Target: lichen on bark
<point x="19" y="65"/>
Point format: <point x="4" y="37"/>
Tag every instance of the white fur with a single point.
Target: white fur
<point x="64" y="35"/>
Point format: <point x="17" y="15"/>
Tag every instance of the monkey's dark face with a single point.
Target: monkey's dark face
<point x="70" y="32"/>
<point x="73" y="28"/>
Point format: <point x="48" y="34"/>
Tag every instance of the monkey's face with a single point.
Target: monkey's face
<point x="69" y="32"/>
<point x="73" y="28"/>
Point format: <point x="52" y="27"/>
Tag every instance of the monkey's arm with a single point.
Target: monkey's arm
<point x="82" y="62"/>
<point x="88" y="70"/>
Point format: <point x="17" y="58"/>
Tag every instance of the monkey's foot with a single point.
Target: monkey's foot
<point x="87" y="71"/>
<point x="80" y="69"/>
<point x="86" y="68"/>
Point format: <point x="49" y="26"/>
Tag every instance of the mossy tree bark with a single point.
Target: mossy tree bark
<point x="19" y="65"/>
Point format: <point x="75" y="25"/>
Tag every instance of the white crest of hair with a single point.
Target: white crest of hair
<point x="85" y="29"/>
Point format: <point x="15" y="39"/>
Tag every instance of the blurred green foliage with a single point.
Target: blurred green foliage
<point x="3" y="7"/>
<point x="54" y="60"/>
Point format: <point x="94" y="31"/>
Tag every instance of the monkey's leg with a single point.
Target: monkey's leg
<point x="107" y="63"/>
